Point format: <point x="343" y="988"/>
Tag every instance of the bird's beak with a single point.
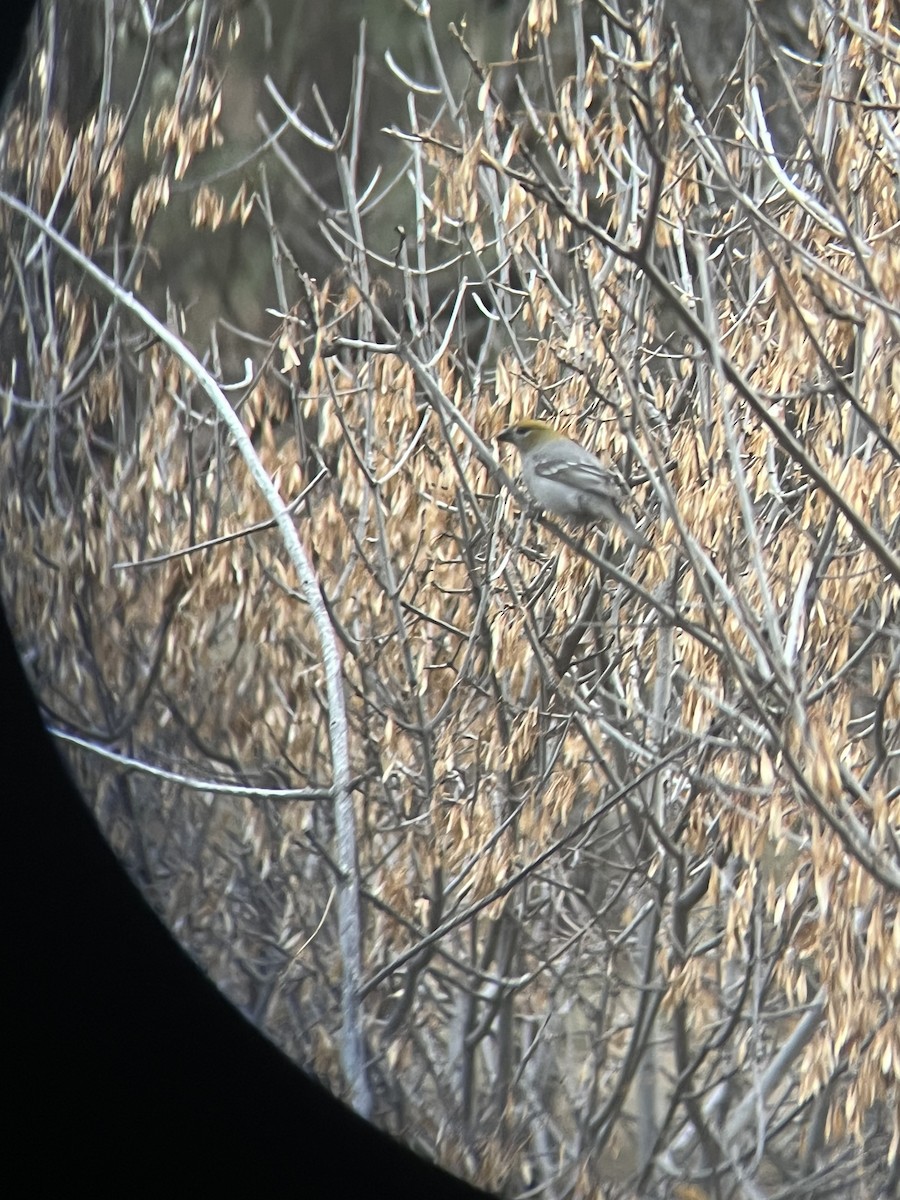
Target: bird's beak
<point x="505" y="435"/>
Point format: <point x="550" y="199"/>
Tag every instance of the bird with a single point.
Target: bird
<point x="566" y="480"/>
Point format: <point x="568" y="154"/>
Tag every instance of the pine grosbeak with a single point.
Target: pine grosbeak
<point x="566" y="480"/>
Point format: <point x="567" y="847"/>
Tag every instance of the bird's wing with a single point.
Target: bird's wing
<point x="589" y="475"/>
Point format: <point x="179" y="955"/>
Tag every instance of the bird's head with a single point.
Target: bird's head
<point x="528" y="434"/>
